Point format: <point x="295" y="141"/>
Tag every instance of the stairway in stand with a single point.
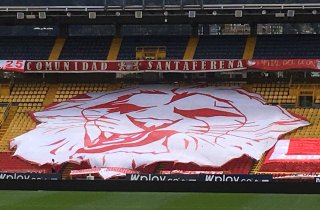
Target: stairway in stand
<point x="257" y="165"/>
<point x="160" y="166"/>
<point x="50" y="94"/>
<point x="65" y="171"/>
<point x="4" y="144"/>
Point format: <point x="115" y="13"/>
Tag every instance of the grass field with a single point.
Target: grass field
<point x="45" y="200"/>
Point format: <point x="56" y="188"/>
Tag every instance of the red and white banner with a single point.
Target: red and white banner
<point x="185" y="66"/>
<point x="105" y="173"/>
<point x="284" y="64"/>
<point x="295" y="150"/>
<point x="135" y="66"/>
<point x="136" y="127"/>
<point x="12" y="65"/>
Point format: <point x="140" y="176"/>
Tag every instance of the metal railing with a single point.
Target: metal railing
<point x="159" y="7"/>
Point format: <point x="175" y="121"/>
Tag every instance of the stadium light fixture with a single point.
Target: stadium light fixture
<point x="279" y="14"/>
<point x="165" y="13"/>
<point x="118" y="14"/>
<point x="192" y="14"/>
<point x="20" y="15"/>
<point x="214" y="13"/>
<point x="138" y="14"/>
<point x="42" y="15"/>
<point x="290" y="13"/>
<point x="238" y="13"/>
<point x="69" y="14"/>
<point x="30" y="16"/>
<point x="92" y="15"/>
<point x="264" y="12"/>
<point x="314" y="12"/>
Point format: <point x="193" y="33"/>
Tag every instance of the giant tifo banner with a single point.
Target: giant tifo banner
<point x="135" y="127"/>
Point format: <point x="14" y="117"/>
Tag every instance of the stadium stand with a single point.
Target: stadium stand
<point x="214" y="47"/>
<point x="87" y="48"/>
<point x="66" y="91"/>
<point x="236" y="166"/>
<point x="34" y="96"/>
<point x="218" y="47"/>
<point x="26" y="48"/>
<point x="287" y="46"/>
<point x="312" y="131"/>
<point x="21" y="122"/>
<point x="14" y="164"/>
<point x="275" y="93"/>
<point x="175" y="45"/>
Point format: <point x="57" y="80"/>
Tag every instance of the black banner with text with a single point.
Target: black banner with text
<point x="30" y="176"/>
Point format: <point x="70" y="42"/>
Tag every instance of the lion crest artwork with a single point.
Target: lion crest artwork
<point x="138" y="126"/>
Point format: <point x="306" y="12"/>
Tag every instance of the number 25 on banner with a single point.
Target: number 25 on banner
<point x="13" y="65"/>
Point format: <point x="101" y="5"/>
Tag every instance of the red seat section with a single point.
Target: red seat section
<point x="294" y="155"/>
<point x="10" y="163"/>
<point x="240" y="165"/>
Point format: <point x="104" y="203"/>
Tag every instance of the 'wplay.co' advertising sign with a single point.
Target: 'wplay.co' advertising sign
<point x="30" y="176"/>
<point x="236" y="178"/>
<point x="200" y="177"/>
<point x="162" y="178"/>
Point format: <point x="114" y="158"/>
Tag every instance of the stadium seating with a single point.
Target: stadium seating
<point x="86" y="48"/>
<point x="311" y="131"/>
<point x="290" y="167"/>
<point x="66" y="91"/>
<point x="275" y="93"/>
<point x="26" y="48"/>
<point x="209" y="47"/>
<point x="175" y="45"/>
<point x="3" y="113"/>
<point x="21" y="122"/>
<point x="287" y="46"/>
<point x="236" y="166"/>
<point x="218" y="47"/>
<point x="26" y="93"/>
<point x="10" y="163"/>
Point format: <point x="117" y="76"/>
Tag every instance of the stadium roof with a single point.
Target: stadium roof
<point x="143" y="2"/>
<point x="154" y="12"/>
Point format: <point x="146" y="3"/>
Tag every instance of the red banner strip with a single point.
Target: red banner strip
<point x="284" y="64"/>
<point x="135" y="66"/>
<point x="185" y="66"/>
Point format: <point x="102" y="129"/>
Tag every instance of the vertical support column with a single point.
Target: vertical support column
<point x="191" y="48"/>
<point x="114" y="48"/>
<point x="249" y="48"/>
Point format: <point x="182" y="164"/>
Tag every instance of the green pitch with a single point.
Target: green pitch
<point x="44" y="200"/>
